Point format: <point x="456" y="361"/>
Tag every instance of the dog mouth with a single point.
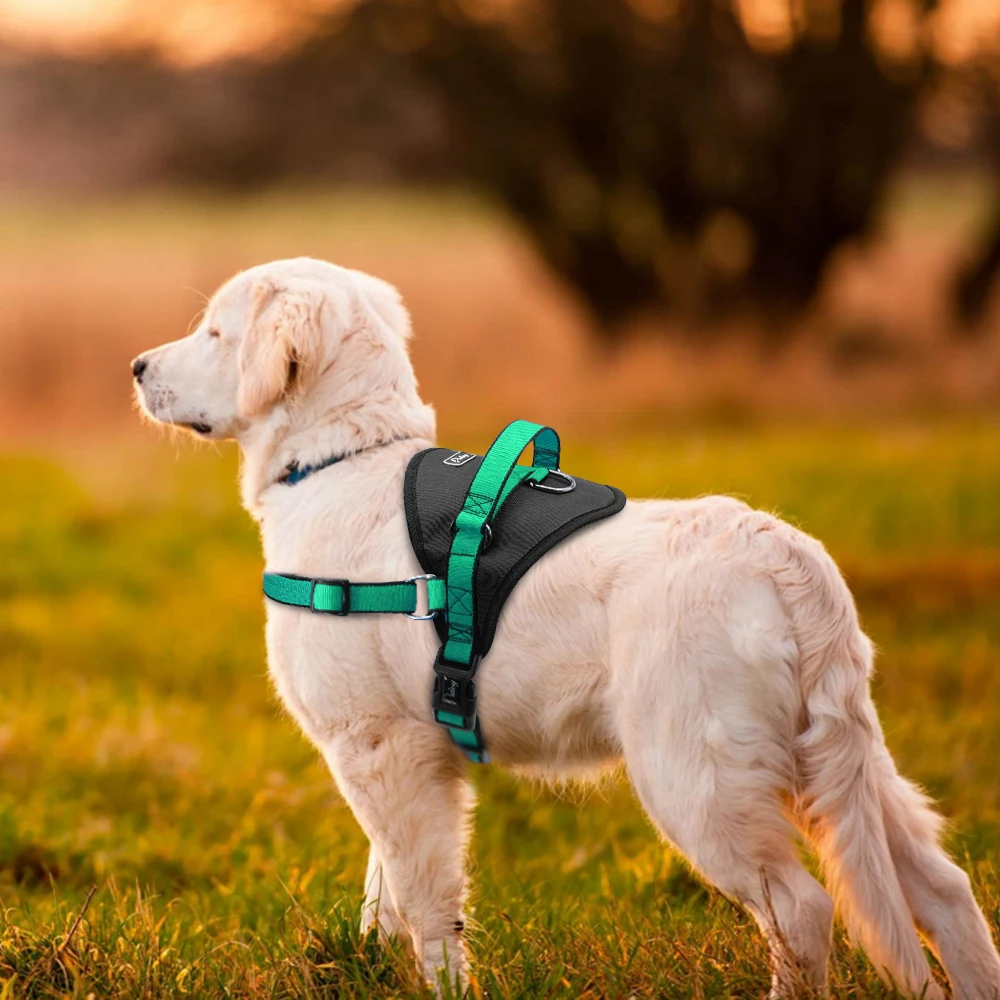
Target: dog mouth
<point x="159" y="402"/>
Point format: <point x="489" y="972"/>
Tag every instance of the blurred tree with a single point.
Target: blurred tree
<point x="977" y="278"/>
<point x="330" y="109"/>
<point x="976" y="281"/>
<point x="686" y="155"/>
<point x="658" y="153"/>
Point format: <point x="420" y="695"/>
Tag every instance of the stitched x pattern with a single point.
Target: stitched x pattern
<point x="478" y="505"/>
<point x="459" y="601"/>
<point x="460" y="608"/>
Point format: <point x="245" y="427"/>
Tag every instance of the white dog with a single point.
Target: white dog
<point x="713" y="648"/>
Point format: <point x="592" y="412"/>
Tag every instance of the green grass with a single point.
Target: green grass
<point x="143" y="757"/>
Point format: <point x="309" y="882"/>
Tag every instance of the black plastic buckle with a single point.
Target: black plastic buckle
<point x="345" y="604"/>
<point x="455" y="689"/>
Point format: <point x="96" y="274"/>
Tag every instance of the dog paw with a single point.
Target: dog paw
<point x="445" y="966"/>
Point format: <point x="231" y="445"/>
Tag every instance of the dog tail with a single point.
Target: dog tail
<point x="847" y="781"/>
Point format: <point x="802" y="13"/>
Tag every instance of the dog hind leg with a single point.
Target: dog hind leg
<point x="741" y="843"/>
<point x="708" y="708"/>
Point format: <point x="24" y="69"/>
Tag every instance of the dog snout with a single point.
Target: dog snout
<point x="139" y="366"/>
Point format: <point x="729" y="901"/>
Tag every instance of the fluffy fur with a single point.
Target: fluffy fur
<point x="713" y="648"/>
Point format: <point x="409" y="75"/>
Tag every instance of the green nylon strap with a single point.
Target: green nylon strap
<point x="488" y="488"/>
<point x="517" y="476"/>
<point x="497" y="476"/>
<point x="364" y="598"/>
<point x="469" y="741"/>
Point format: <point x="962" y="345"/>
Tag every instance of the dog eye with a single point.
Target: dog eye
<point x="214" y="333"/>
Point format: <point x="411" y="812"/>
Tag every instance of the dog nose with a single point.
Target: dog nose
<point x="138" y="367"/>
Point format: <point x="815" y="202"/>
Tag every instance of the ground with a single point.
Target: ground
<point x="165" y="830"/>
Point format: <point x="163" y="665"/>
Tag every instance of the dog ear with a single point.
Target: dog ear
<point x="385" y="301"/>
<point x="283" y="338"/>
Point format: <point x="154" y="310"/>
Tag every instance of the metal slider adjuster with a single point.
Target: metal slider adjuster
<point x="427" y="577"/>
<point x="345" y="605"/>
<point x="571" y="483"/>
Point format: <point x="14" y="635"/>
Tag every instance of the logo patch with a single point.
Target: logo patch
<point x="450" y="694"/>
<point x="459" y="458"/>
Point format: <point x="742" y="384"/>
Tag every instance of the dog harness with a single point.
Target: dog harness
<point x="476" y="524"/>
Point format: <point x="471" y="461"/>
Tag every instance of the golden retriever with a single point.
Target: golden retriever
<point x="714" y="649"/>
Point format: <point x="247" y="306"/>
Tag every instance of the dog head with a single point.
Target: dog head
<point x="282" y="338"/>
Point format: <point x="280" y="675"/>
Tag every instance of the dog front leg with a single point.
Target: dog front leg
<point x="378" y="906"/>
<point x="407" y="788"/>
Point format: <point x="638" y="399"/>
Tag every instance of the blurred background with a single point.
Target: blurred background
<point x="747" y="246"/>
<point x="703" y="206"/>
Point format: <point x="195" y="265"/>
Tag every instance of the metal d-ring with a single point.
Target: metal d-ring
<point x="555" y="489"/>
<point x="486" y="531"/>
<point x="426" y="577"/>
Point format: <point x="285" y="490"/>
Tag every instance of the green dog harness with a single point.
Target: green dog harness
<point x="476" y="524"/>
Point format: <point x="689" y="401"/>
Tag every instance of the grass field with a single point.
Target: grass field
<point x="164" y="830"/>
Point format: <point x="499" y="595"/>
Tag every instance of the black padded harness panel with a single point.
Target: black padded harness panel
<point x="529" y="523"/>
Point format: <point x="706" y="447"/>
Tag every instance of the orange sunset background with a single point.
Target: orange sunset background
<point x="197" y="30"/>
<point x="122" y="100"/>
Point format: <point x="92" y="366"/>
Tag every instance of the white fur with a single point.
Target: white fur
<point x="713" y="648"/>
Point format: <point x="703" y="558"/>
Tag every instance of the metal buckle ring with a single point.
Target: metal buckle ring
<point x="433" y="614"/>
<point x="555" y="489"/>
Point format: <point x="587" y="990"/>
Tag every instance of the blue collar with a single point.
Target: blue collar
<point x="295" y="473"/>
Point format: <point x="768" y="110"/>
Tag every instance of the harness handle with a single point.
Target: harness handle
<point x="457" y="662"/>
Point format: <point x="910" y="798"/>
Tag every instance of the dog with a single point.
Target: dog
<point x="713" y="649"/>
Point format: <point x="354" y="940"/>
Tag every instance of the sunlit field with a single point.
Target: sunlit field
<point x="86" y="285"/>
<point x="165" y="830"/>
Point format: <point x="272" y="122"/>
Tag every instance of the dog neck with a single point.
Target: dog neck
<point x="364" y="395"/>
<point x="303" y="439"/>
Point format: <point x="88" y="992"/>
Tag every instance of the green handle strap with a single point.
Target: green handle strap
<point x="492" y="484"/>
<point x="480" y="505"/>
